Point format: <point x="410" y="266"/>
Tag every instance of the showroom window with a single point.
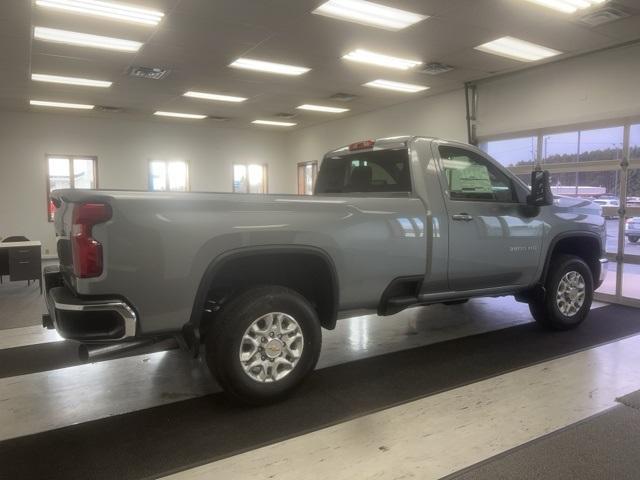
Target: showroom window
<point x="251" y="178"/>
<point x="586" y="162"/>
<point x="513" y="151"/>
<point x="66" y="171"/>
<point x="307" y="173"/>
<point x="172" y="176"/>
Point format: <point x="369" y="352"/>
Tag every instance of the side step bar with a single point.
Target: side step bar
<point x="102" y="351"/>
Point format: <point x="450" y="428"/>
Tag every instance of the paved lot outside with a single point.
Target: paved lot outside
<point x="612" y="240"/>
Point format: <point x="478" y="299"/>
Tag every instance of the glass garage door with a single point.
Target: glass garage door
<point x="601" y="164"/>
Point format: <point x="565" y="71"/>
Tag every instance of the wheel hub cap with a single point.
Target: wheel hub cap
<point x="571" y="293"/>
<point x="274" y="348"/>
<point x="271" y="347"/>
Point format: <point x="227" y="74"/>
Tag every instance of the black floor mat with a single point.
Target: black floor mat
<point x="173" y="437"/>
<point x="601" y="447"/>
<point x="631" y="400"/>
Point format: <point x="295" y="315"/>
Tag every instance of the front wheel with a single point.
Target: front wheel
<point x="633" y="239"/>
<point x="568" y="295"/>
<point x="263" y="343"/>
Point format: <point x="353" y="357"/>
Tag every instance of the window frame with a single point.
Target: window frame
<point x="71" y="158"/>
<point x="517" y="195"/>
<point x="265" y="178"/>
<point x="167" y="162"/>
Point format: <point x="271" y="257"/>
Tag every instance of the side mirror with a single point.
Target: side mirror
<point x="541" y="194"/>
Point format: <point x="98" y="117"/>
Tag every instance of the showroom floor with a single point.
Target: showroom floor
<point x="424" y="394"/>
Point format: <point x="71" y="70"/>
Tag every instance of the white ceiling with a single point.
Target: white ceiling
<point x="199" y="38"/>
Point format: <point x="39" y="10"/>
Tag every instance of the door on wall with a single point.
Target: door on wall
<point x="307" y="173"/>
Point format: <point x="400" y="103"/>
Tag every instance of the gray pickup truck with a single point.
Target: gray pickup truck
<point x="250" y="280"/>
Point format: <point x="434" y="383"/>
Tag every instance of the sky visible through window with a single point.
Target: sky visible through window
<point x="559" y="147"/>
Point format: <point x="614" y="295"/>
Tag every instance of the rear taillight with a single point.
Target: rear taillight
<point x="87" y="251"/>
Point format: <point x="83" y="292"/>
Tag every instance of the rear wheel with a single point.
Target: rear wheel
<point x="633" y="239"/>
<point x="568" y="294"/>
<point x="263" y="343"/>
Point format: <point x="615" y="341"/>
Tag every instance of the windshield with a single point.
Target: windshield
<point x="365" y="172"/>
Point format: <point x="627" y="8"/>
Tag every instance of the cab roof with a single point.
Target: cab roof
<point x="384" y="143"/>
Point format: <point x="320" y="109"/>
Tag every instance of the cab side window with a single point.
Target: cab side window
<point x="472" y="177"/>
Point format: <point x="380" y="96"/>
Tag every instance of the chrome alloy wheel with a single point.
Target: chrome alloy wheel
<point x="271" y="347"/>
<point x="571" y="293"/>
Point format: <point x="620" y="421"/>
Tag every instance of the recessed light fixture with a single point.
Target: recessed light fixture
<point x="568" y="6"/>
<point x="214" y="96"/>
<point x="372" y="58"/>
<point x="46" y="103"/>
<point x="261" y="66"/>
<point x="85" y="82"/>
<point x="517" y="49"/>
<point x="192" y="116"/>
<point x="369" y="13"/>
<point x="85" y="40"/>
<point x="397" y="86"/>
<point x="273" y="123"/>
<point x="322" y="108"/>
<point x="116" y="11"/>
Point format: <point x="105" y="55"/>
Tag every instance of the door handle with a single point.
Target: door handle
<point x="462" y="217"/>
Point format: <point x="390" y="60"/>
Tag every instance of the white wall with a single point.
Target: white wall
<point x="437" y="116"/>
<point x="599" y="86"/>
<point x="123" y="149"/>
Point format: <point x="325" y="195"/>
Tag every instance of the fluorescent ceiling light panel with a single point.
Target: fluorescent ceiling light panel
<point x="517" y="49"/>
<point x="397" y="86"/>
<point x="322" y="108"/>
<point x="567" y="6"/>
<point x="214" y="96"/>
<point x="44" y="103"/>
<point x="261" y="66"/>
<point x="275" y="124"/>
<point x="192" y="116"/>
<point x="84" y="82"/>
<point x="85" y="40"/>
<point x="115" y="11"/>
<point x="369" y="13"/>
<point x="372" y="58"/>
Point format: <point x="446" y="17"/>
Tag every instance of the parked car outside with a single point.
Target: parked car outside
<point x="608" y="202"/>
<point x="632" y="229"/>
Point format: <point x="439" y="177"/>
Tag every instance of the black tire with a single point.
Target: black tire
<point x="634" y="239"/>
<point x="545" y="309"/>
<point x="224" y="338"/>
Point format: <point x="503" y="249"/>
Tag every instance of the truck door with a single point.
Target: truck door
<point x="493" y="240"/>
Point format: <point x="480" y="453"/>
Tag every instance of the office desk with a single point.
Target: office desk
<point x="21" y="261"/>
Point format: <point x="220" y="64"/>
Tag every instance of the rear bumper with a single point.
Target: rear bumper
<point x="86" y="320"/>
